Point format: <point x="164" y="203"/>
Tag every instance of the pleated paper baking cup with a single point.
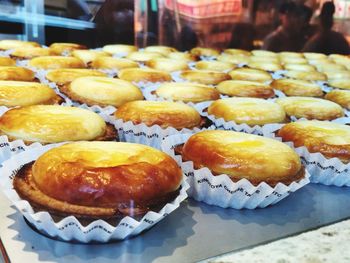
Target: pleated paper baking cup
<point x="69" y="228"/>
<point x="221" y="190"/>
<point x="322" y="170"/>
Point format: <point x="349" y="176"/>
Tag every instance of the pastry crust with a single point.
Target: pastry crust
<point x="89" y="55"/>
<point x="56" y="62"/>
<point x="51" y="124"/>
<point x="21" y="93"/>
<point x="235" y="59"/>
<point x="215" y="65"/>
<point x="262" y="59"/>
<point x="236" y="51"/>
<point x="144" y="74"/>
<point x="16" y="73"/>
<point x="183" y="56"/>
<point x="203" y="51"/>
<point x="113" y="63"/>
<point x="299" y="67"/>
<point x="187" y="92"/>
<point x="341" y="97"/>
<point x="61" y="48"/>
<point x="294" y="87"/>
<point x="164" y="50"/>
<point x="242" y="88"/>
<point x="143" y="56"/>
<point x="341" y="74"/>
<point x="167" y="64"/>
<point x="263" y="53"/>
<point x="241" y="155"/>
<point x="340" y="83"/>
<point x="311" y="108"/>
<point x="329" y="138"/>
<point x="250" y="74"/>
<point x="289" y="54"/>
<point x="99" y="179"/>
<point x="163" y="113"/>
<point x="5" y="61"/>
<point x="67" y="75"/>
<point x="313" y="55"/>
<point x="251" y="111"/>
<point x="119" y="49"/>
<point x="294" y="60"/>
<point x="7" y="44"/>
<point x="265" y="66"/>
<point x="30" y="52"/>
<point x="101" y="91"/>
<point x="329" y="67"/>
<point x="207" y="77"/>
<point x="311" y="76"/>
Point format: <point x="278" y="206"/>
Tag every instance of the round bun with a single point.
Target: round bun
<point x="294" y="87"/>
<point x="61" y="48"/>
<point x="202" y="51"/>
<point x="16" y="73"/>
<point x="164" y="50"/>
<point x="51" y="124"/>
<point x="206" y="77"/>
<point x="143" y="56"/>
<point x="340" y="83"/>
<point x="20" y="93"/>
<point x="182" y="56"/>
<point x="144" y="74"/>
<point x="247" y="110"/>
<point x="250" y="74"/>
<point x="162" y="113"/>
<point x="113" y="63"/>
<point x="167" y="64"/>
<point x="243" y="88"/>
<point x="7" y="44"/>
<point x="235" y="51"/>
<point x="311" y="76"/>
<point x="67" y="75"/>
<point x="187" y="92"/>
<point x="99" y="179"/>
<point x="311" y="108"/>
<point x="5" y="61"/>
<point x="31" y="52"/>
<point x="215" y="65"/>
<point x="55" y="62"/>
<point x="241" y="155"/>
<point x="102" y="91"/>
<point x="119" y="49"/>
<point x="341" y="97"/>
<point x="89" y="55"/>
<point x="299" y="67"/>
<point x="329" y="138"/>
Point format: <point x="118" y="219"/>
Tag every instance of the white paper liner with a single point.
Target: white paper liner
<point x="6" y="53"/>
<point x="69" y="228"/>
<point x="221" y="190"/>
<point x="322" y="170"/>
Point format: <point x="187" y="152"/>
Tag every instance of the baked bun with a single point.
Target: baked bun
<point x="235" y="51"/>
<point x="341" y="97"/>
<point x="16" y="73"/>
<point x="7" y="44"/>
<point x="251" y="111"/>
<point x="203" y="51"/>
<point x="119" y="49"/>
<point x="61" y="48"/>
<point x="299" y="67"/>
<point x="113" y="63"/>
<point x="313" y="55"/>
<point x="340" y="83"/>
<point x="163" y="113"/>
<point x="311" y="76"/>
<point x="5" y="61"/>
<point x="241" y="155"/>
<point x="182" y="56"/>
<point x="292" y="60"/>
<point x="67" y="75"/>
<point x="143" y="56"/>
<point x="144" y="74"/>
<point x="295" y="87"/>
<point x="187" y="92"/>
<point x="243" y="88"/>
<point x="164" y="50"/>
<point x="235" y="59"/>
<point x="31" y="52"/>
<point x="52" y="124"/>
<point x="290" y="54"/>
<point x="330" y="67"/>
<point x="329" y="138"/>
<point x="167" y="64"/>
<point x="341" y="74"/>
<point x="89" y="55"/>
<point x="311" y="108"/>
<point x="215" y="65"/>
<point x="101" y="91"/>
<point x="207" y="77"/>
<point x="265" y="66"/>
<point x="54" y="62"/>
<point x="262" y="59"/>
<point x="263" y="53"/>
<point x="250" y="74"/>
<point x="20" y="93"/>
<point x="99" y="180"/>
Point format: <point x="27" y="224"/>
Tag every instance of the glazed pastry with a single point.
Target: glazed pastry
<point x="215" y="65"/>
<point x="164" y="50"/>
<point x="203" y="51"/>
<point x="30" y="52"/>
<point x="311" y="76"/>
<point x="7" y="44"/>
<point x="207" y="77"/>
<point x="299" y="67"/>
<point x="340" y="83"/>
<point x="241" y="155"/>
<point x="119" y="49"/>
<point x="99" y="180"/>
<point x="55" y="62"/>
<point x="89" y="55"/>
<point x="265" y="66"/>
<point x="113" y="63"/>
<point x="163" y="113"/>
<point x="235" y="51"/>
<point x="311" y="108"/>
<point x="182" y="56"/>
<point x="251" y="111"/>
<point x="67" y="75"/>
<point x="65" y="48"/>
<point x="5" y="61"/>
<point x="187" y="92"/>
<point x="101" y="91"/>
<point x="328" y="138"/>
<point x="235" y="59"/>
<point x="294" y="87"/>
<point x="52" y="124"/>
<point x="16" y="73"/>
<point x="250" y="74"/>
<point x="144" y="74"/>
<point x="21" y="93"/>
<point x="341" y="97"/>
<point x="167" y="64"/>
<point x="243" y="88"/>
<point x="143" y="56"/>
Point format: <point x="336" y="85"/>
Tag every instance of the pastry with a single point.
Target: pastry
<point x="289" y="54"/>
<point x="235" y="51"/>
<point x="113" y="63"/>
<point x="312" y="55"/>
<point x="294" y="87"/>
<point x="265" y="66"/>
<point x="235" y="59"/>
<point x="66" y="75"/>
<point x="293" y="60"/>
<point x="164" y="50"/>
<point x="341" y="74"/>
<point x="7" y="44"/>
<point x="329" y="67"/>
<point x="167" y="64"/>
<point x="207" y="77"/>
<point x="16" y="73"/>
<point x="215" y="65"/>
<point x="143" y="56"/>
<point x="5" y="61"/>
<point x="243" y="88"/>
<point x="299" y="67"/>
<point x="250" y="74"/>
<point x="262" y="59"/>
<point x="339" y="83"/>
<point x="55" y="62"/>
<point x="144" y="74"/>
<point x="89" y="55"/>
<point x="263" y="53"/>
<point x="65" y="48"/>
<point x="30" y="52"/>
<point x="119" y="49"/>
<point x="203" y="51"/>
<point x="311" y="76"/>
<point x="182" y="56"/>
<point x="341" y="97"/>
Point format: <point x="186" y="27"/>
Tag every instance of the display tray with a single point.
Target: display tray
<point x="194" y="232"/>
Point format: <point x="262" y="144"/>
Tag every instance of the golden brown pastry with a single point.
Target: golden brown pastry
<point x="262" y="59"/>
<point x="341" y="74"/>
<point x="250" y="74"/>
<point x="163" y="113"/>
<point x="215" y="65"/>
<point x="5" y="61"/>
<point x="263" y="53"/>
<point x="340" y="83"/>
<point x="295" y="87"/>
<point x="341" y="97"/>
<point x="187" y="92"/>
<point x="113" y="63"/>
<point x="235" y="51"/>
<point x="7" y="44"/>
<point x="143" y="56"/>
<point x="207" y="77"/>
<point x="89" y="55"/>
<point x="182" y="56"/>
<point x="311" y="108"/>
<point x="61" y="48"/>
<point x="203" y="51"/>
<point x="241" y="155"/>
<point x="265" y="66"/>
<point x="66" y="75"/>
<point x="144" y="74"/>
<point x="30" y="52"/>
<point x="243" y="88"/>
<point x="299" y="67"/>
<point x="251" y="111"/>
<point x="329" y="138"/>
<point x="164" y="50"/>
<point x="21" y="93"/>
<point x="235" y="59"/>
<point x="329" y="67"/>
<point x="99" y="180"/>
<point x="16" y="73"/>
<point x="313" y="55"/>
<point x="167" y="64"/>
<point x="101" y="91"/>
<point x="293" y="60"/>
<point x="52" y="124"/>
<point x="311" y="76"/>
<point x="289" y="54"/>
<point x="119" y="49"/>
<point x="55" y="62"/>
